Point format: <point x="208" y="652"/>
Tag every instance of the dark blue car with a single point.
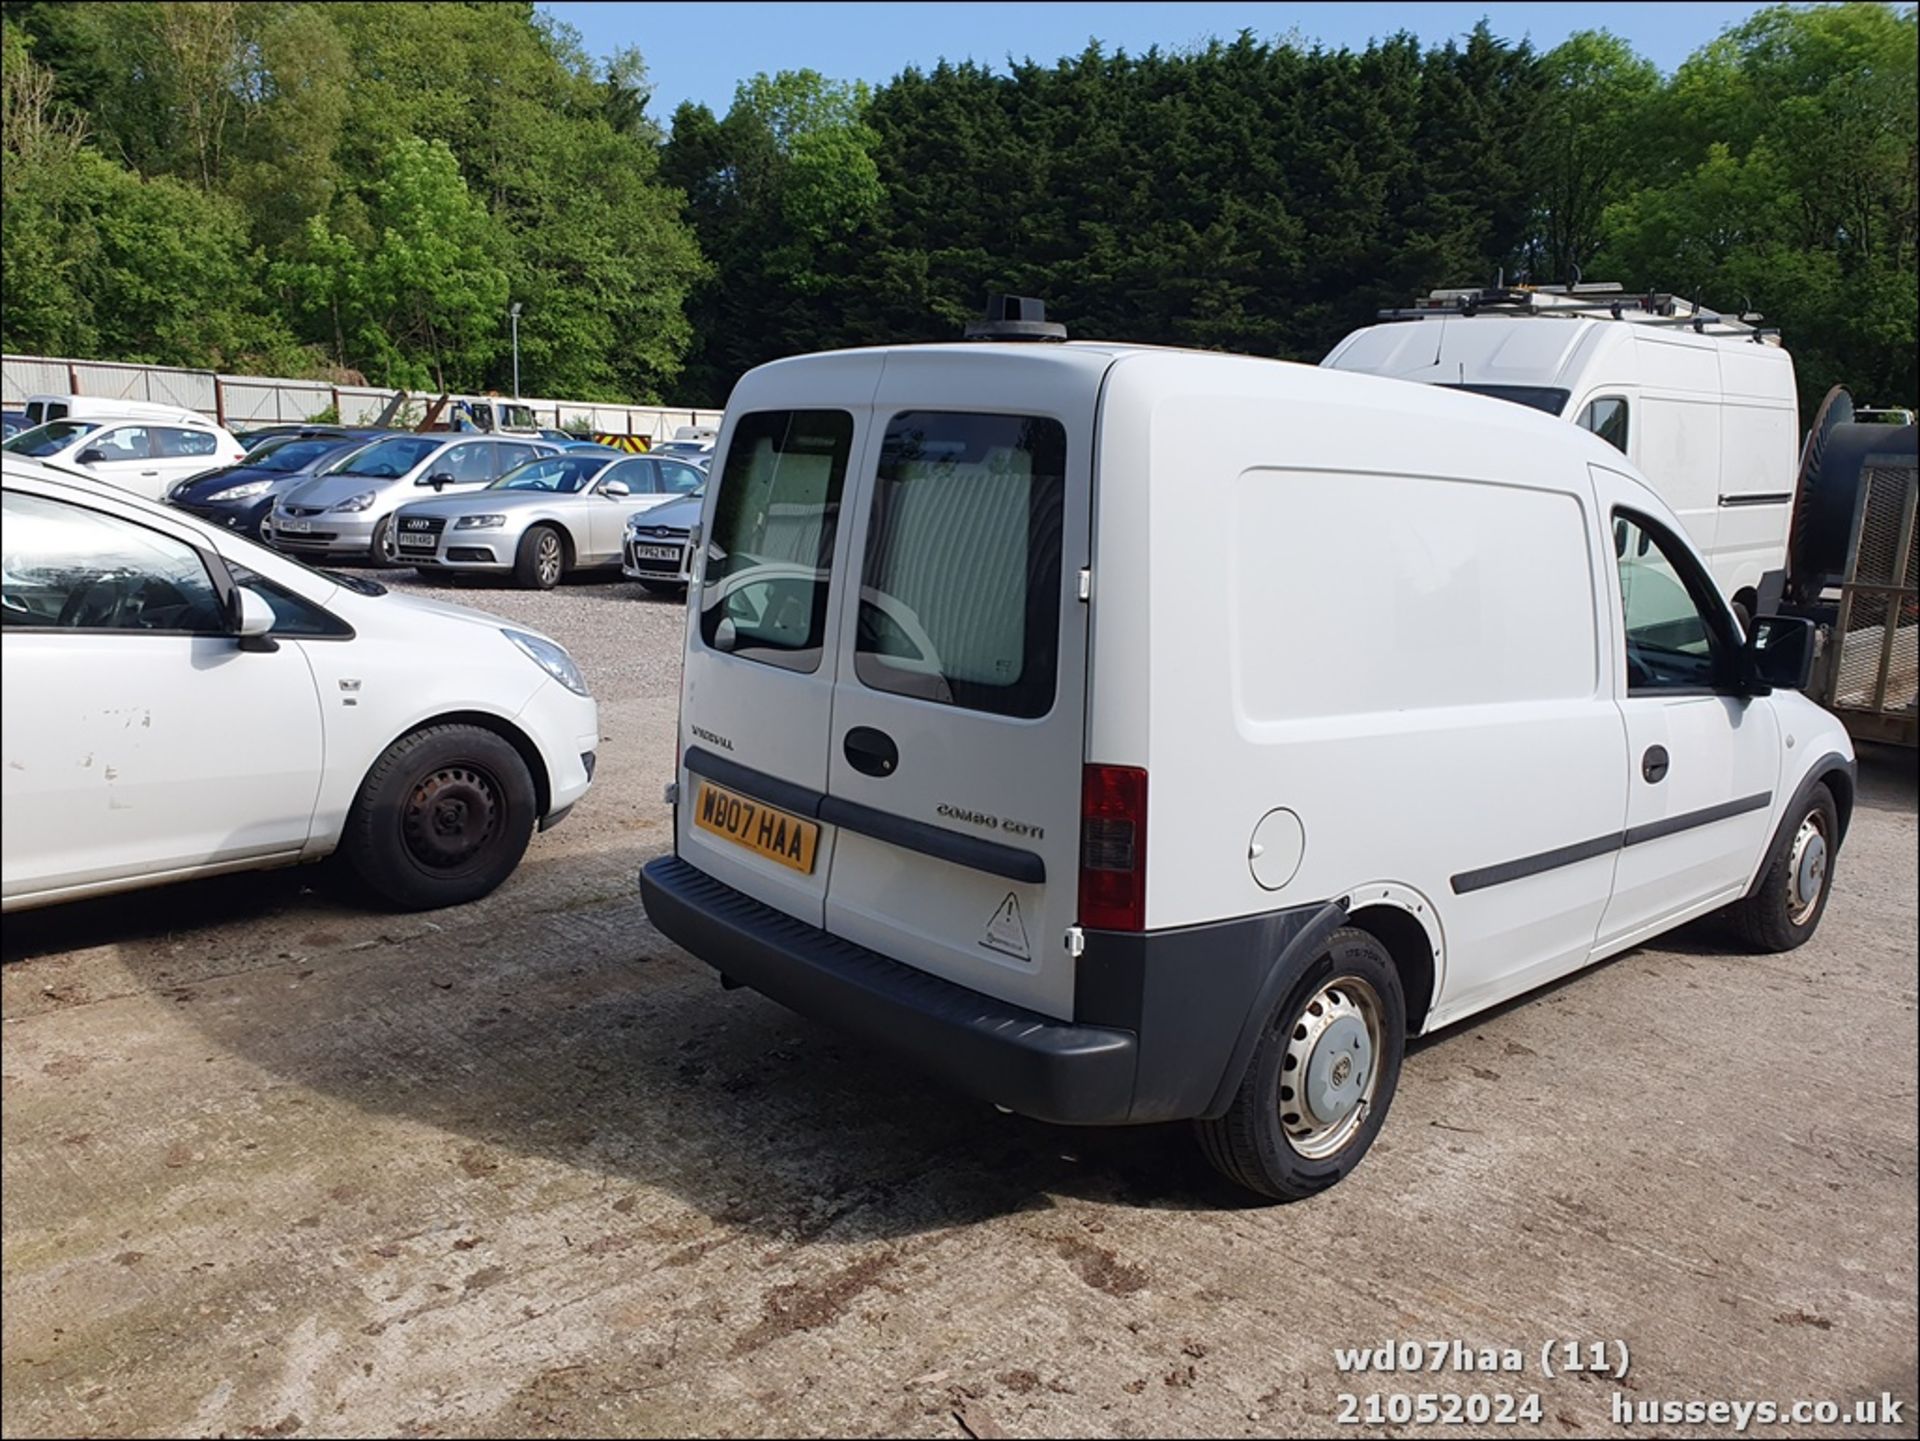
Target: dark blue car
<point x="12" y="422"/>
<point x="239" y="496"/>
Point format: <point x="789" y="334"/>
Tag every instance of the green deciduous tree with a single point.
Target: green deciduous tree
<point x="1791" y="158"/>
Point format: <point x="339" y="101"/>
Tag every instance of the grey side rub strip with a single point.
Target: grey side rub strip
<point x="1479" y="880"/>
<point x="1654" y="830"/>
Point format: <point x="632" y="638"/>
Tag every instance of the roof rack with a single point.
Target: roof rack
<point x="1594" y="300"/>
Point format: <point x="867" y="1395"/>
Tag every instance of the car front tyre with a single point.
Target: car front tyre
<point x="1785" y="909"/>
<point x="540" y="560"/>
<point x="384" y="550"/>
<point x="442" y="818"/>
<point x="1321" y="1077"/>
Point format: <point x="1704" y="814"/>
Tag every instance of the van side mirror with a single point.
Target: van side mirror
<point x="1779" y="654"/>
<point x="92" y="455"/>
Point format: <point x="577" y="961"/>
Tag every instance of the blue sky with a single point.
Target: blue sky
<point x="701" y="51"/>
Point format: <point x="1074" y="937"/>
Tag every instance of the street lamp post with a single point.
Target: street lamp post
<point x="513" y="315"/>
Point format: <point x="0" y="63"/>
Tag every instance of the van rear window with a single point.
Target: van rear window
<point x="960" y="596"/>
<point x="769" y="555"/>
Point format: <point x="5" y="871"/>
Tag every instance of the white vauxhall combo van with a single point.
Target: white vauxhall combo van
<point x="1114" y="775"/>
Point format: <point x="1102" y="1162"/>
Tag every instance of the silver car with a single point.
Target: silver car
<point x="657" y="549"/>
<point x="541" y="520"/>
<point x="347" y="510"/>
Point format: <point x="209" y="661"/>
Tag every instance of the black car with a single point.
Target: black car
<point x="259" y="435"/>
<point x="240" y="496"/>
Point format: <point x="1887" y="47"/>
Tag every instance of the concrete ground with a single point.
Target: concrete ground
<point x="278" y="1165"/>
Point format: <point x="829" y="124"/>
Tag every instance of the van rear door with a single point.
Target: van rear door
<point x="756" y="699"/>
<point x="954" y="774"/>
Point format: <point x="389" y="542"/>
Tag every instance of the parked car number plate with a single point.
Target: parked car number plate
<point x="410" y="541"/>
<point x="761" y="828"/>
<point x="293" y="527"/>
<point x="656" y="552"/>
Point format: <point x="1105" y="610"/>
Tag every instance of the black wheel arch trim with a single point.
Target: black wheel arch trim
<point x="1829" y="765"/>
<point x="1305" y="945"/>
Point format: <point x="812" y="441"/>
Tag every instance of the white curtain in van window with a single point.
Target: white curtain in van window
<point x="954" y="552"/>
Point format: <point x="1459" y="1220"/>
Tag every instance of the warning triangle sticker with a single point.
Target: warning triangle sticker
<point x="1006" y="932"/>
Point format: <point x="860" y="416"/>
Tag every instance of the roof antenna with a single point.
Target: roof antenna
<point x="1439" y="342"/>
<point x="1574" y="284"/>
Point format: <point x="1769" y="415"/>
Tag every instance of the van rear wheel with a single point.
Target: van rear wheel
<point x="1321" y="1077"/>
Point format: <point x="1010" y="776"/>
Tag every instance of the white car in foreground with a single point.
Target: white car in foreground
<point x="180" y="701"/>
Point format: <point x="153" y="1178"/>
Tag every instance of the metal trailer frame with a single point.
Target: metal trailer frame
<point x="1870" y="674"/>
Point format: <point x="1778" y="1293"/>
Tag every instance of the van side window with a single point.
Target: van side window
<point x="770" y="552"/>
<point x="960" y="594"/>
<point x="1672" y="643"/>
<point x="1607" y="418"/>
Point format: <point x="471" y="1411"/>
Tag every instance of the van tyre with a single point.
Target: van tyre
<point x="1785" y="909"/>
<point x="541" y="559"/>
<point x="442" y="818"/>
<point x="1321" y="1077"/>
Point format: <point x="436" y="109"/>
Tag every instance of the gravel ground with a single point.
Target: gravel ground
<point x="276" y="1165"/>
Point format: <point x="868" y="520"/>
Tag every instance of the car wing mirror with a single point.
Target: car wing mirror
<point x="437" y="479"/>
<point x="1779" y="654"/>
<point x="90" y="456"/>
<point x="618" y="489"/>
<point x="251" y="619"/>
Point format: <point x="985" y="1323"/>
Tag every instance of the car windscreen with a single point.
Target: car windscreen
<point x="1534" y="397"/>
<point x="287" y="457"/>
<point x="51" y="438"/>
<point x="388" y="459"/>
<point x="558" y="474"/>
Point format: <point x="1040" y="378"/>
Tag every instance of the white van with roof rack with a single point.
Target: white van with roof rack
<point x="1703" y="404"/>
<point x="1114" y="775"/>
<point x="43" y="408"/>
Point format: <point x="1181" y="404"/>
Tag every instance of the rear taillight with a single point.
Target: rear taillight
<point x="1113" y="848"/>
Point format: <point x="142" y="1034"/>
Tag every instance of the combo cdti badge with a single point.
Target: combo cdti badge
<point x="1131" y="734"/>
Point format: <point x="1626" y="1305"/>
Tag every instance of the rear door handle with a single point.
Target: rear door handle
<point x="871" y="752"/>
<point x="1653" y="765"/>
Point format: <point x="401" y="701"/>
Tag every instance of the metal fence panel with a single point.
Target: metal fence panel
<point x="244" y="400"/>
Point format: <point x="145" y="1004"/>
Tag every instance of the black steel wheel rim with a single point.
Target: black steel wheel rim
<point x="451" y="816"/>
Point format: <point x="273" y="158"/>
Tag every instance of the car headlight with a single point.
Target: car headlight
<point x="551" y="658"/>
<point x="480" y="522"/>
<point x="362" y="501"/>
<point x="243" y="492"/>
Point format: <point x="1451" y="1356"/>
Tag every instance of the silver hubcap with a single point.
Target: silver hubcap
<point x="1807" y="869"/>
<point x="547" y="556"/>
<point x="1328" y="1074"/>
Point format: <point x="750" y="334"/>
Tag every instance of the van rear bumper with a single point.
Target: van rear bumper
<point x="1036" y="1065"/>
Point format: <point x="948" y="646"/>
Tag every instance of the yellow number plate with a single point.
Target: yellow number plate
<point x="762" y="829"/>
